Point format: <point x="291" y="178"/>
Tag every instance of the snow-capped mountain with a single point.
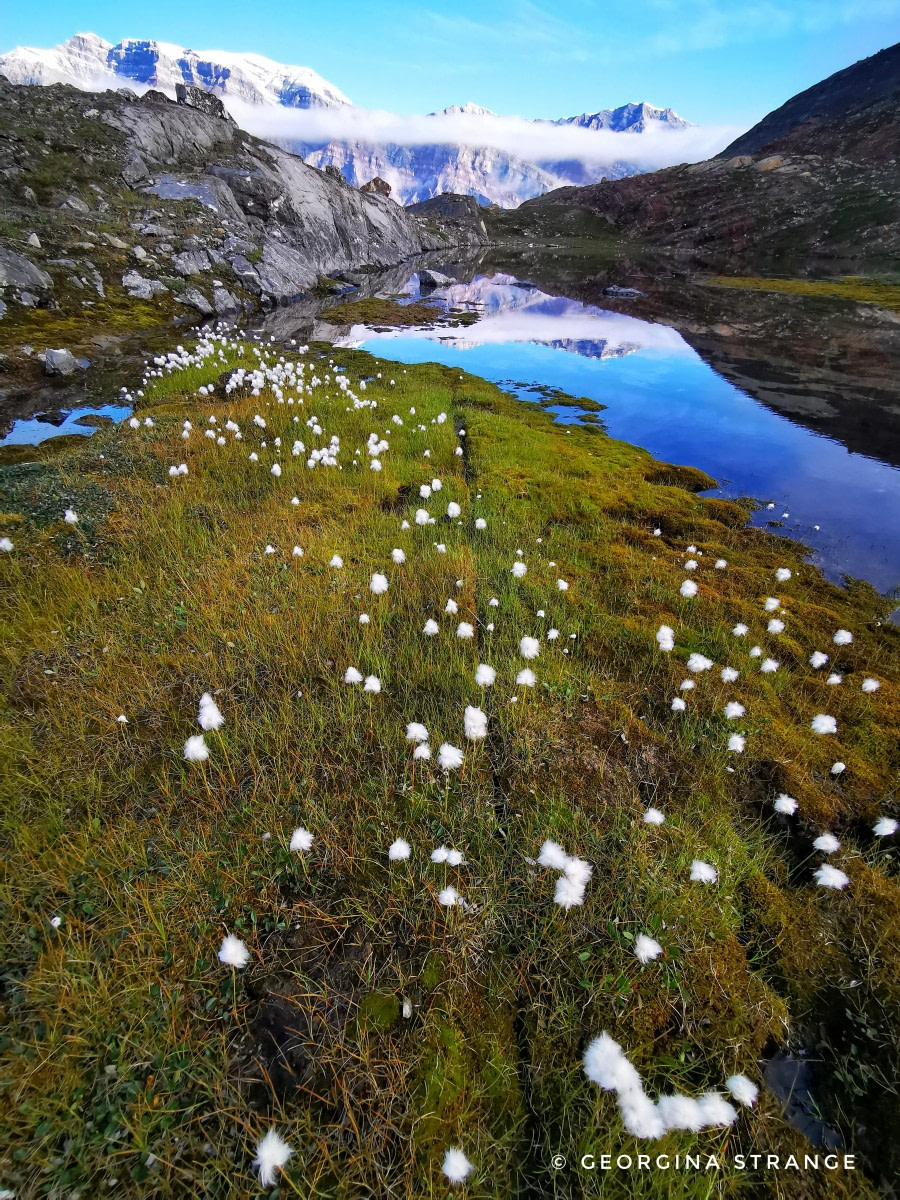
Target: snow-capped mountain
<point x="88" y="61"/>
<point x="456" y="161"/>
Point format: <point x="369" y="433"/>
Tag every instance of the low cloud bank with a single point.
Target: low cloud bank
<point x="533" y="141"/>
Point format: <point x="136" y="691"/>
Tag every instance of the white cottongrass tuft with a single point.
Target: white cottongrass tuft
<point x="827" y="843"/>
<point x="272" y="1152"/>
<point x="378" y="584"/>
<point x="699" y="662"/>
<point x="830" y="877"/>
<point x="398" y="555"/>
<point x="834" y="679"/>
<point x="336" y="561"/>
<point x="870" y="685"/>
<point x="817" y="660"/>
<point x="301" y="840"/>
<point x="843" y="637"/>
<point x="456" y="1166"/>
<point x="688" y="589"/>
<point x="678" y="705"/>
<point x="653" y="817"/>
<point x="485" y="675"/>
<point x="526" y="678"/>
<point x="552" y="855"/>
<point x="822" y="723"/>
<point x="448" y="897"/>
<point x="562" y="585"/>
<point x="838" y="768"/>
<point x="771" y="604"/>
<point x="431" y="628"/>
<point x="665" y="637"/>
<point x="209" y="716"/>
<point x="451" y="607"/>
<point x="733" y="710"/>
<point x="768" y="666"/>
<point x="416" y="732"/>
<point x="364" y="618"/>
<point x="422" y="752"/>
<point x="782" y="574"/>
<point x="70" y="516"/>
<point x="399" y="850"/>
<point x="702" y="872"/>
<point x="743" y="1089"/>
<point x="646" y="949"/>
<point x="450" y="758"/>
<point x="740" y="630"/>
<point x="518" y="569"/>
<point x="885" y="827"/>
<point x="529" y="647"/>
<point x="196" y="749"/>
<point x="775" y="626"/>
<point x="6" y="545"/>
<point x="453" y="509"/>
<point x="233" y="952"/>
<point x="276" y="470"/>
<point x="728" y="674"/>
<point x="474" y="723"/>
<point x="569" y="893"/>
<point x="465" y="630"/>
<point x="351" y="675"/>
<point x="372" y="684"/>
<point x="736" y="743"/>
<point x="785" y="804"/>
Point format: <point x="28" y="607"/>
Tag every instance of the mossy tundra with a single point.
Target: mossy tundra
<point x="373" y="1026"/>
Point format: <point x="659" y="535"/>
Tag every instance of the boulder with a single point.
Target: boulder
<point x="205" y="102"/>
<point x="17" y="271"/>
<point x="196" y="300"/>
<point x="134" y="169"/>
<point x="58" y="362"/>
<point x="34" y="241"/>
<point x="75" y="204"/>
<point x="115" y="242"/>
<point x="433" y="279"/>
<point x="225" y="302"/>
<point x="377" y="187"/>
<point x="141" y="288"/>
<point x="191" y="262"/>
<point x="246" y="272"/>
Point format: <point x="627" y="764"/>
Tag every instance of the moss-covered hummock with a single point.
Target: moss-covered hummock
<point x="131" y="1055"/>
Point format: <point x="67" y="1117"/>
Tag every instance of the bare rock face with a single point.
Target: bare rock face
<point x="17" y="271"/>
<point x="204" y="102"/>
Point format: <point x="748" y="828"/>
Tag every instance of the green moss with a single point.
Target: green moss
<point x="860" y="290"/>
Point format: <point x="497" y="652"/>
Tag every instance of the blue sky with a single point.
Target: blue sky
<point x="714" y="61"/>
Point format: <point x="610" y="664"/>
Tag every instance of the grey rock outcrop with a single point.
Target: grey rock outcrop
<point x="58" y="362"/>
<point x="17" y="271"/>
<point x="191" y="262"/>
<point x="197" y="300"/>
<point x="141" y="288"/>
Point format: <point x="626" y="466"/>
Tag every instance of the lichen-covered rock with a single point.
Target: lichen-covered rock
<point x="17" y="271"/>
<point x="191" y="262"/>
<point x="197" y="300"/>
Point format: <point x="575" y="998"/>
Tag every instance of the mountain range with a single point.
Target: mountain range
<point x="415" y="171"/>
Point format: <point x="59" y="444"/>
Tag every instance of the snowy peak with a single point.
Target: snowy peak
<point x="466" y="110"/>
<point x="88" y="60"/>
<point x="628" y="118"/>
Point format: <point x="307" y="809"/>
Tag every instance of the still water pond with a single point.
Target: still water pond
<point x="660" y="394"/>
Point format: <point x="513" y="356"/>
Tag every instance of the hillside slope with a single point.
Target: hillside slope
<point x="824" y="193"/>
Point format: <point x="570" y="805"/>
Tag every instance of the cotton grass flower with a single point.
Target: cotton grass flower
<point x="552" y="855"/>
<point x="785" y="804"/>
<point x="416" y="732"/>
<point x="272" y="1153"/>
<point x="372" y="685"/>
<point x="740" y="630"/>
<point x="768" y="666"/>
<point x="736" y="743"/>
<point x="817" y="660"/>
<point x="480" y="523"/>
<point x="733" y="710"/>
<point x="526" y="678"/>
<point x="456" y="1166"/>
<point x="721" y="564"/>
<point x="646" y="949"/>
<point x="569" y="893"/>
<point x="678" y="705"/>
<point x="771" y="604"/>
<point x="782" y="574"/>
<point x="827" y="843"/>
<point x="688" y="589"/>
<point x="827" y="876"/>
<point x="422" y="752"/>
<point x="775" y="626"/>
<point x="834" y="679"/>
<point x="336" y="561"/>
<point x="70" y="516"/>
<point x="653" y="817"/>
<point x="448" y="897"/>
<point x="431" y="628"/>
<point x="451" y="607"/>
<point x="474" y="724"/>
<point x="702" y="872"/>
<point x="465" y="630"/>
<point x="885" y="827"/>
<point x="399" y="850"/>
<point x="398" y="556"/>
<point x="351" y="675"/>
<point x="843" y="637"/>
<point x="209" y="716"/>
<point x="6" y="545"/>
<point x="378" y="584"/>
<point x="485" y="675"/>
<point x="518" y="569"/>
<point x="822" y="723"/>
<point x="699" y="662"/>
<point x="562" y="585"/>
<point x="870" y="685"/>
<point x="728" y="674"/>
<point x="233" y="952"/>
<point x="665" y="638"/>
<point x="529" y="647"/>
<point x="450" y="758"/>
<point x="453" y="509"/>
<point x="196" y="749"/>
<point x="743" y="1090"/>
<point x="301" y="840"/>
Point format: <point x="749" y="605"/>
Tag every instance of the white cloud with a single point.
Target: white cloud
<point x="533" y="141"/>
